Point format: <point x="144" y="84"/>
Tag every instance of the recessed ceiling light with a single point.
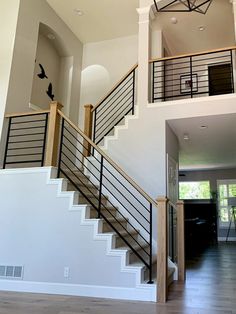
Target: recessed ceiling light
<point x="186" y="137"/>
<point x="174" y="20"/>
<point x="203" y="127"/>
<point x="79" y="12"/>
<point x="201" y="28"/>
<point x="51" y="36"/>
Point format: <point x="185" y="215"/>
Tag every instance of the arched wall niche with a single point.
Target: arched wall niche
<point x="52" y="71"/>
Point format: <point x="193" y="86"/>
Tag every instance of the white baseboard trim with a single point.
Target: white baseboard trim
<point x="137" y="294"/>
<point x="223" y="239"/>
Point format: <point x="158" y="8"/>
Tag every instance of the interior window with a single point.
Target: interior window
<point x="194" y="190"/>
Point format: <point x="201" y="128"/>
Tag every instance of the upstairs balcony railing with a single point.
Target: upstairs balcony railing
<point x="193" y="75"/>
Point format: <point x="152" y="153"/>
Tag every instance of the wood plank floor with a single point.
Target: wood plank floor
<point x="210" y="289"/>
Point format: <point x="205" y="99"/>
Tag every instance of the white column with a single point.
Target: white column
<point x="234" y="63"/>
<point x="234" y="13"/>
<point x="8" y="23"/>
<point x="145" y="15"/>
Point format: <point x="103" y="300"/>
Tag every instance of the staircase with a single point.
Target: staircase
<point x="119" y="210"/>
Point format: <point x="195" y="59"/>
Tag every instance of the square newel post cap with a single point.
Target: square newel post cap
<point x="162" y="199"/>
<point x="88" y="106"/>
<point x="56" y="104"/>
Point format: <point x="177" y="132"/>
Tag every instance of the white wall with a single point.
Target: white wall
<point x="22" y="70"/>
<point x="48" y="57"/>
<point x="45" y="232"/>
<point x="104" y="64"/>
<point x="8" y="18"/>
<point x="140" y="149"/>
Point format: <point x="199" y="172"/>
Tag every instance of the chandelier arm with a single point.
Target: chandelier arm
<point x="191" y="5"/>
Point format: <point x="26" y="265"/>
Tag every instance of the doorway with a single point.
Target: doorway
<point x="220" y="79"/>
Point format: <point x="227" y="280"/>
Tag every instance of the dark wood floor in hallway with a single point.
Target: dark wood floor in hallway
<point x="210" y="289"/>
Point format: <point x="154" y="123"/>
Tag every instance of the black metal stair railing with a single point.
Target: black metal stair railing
<point x="172" y="231"/>
<point x="26" y="140"/>
<point x="190" y="76"/>
<point x="115" y="106"/>
<point x="98" y="177"/>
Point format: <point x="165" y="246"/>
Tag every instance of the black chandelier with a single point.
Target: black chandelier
<point x="200" y="6"/>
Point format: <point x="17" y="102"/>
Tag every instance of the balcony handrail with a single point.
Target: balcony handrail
<point x="114" y="87"/>
<point x="193" y="54"/>
<point x="23" y="114"/>
<point x="105" y="156"/>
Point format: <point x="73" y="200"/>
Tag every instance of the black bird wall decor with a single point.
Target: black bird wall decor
<point x="49" y="92"/>
<point x="42" y="75"/>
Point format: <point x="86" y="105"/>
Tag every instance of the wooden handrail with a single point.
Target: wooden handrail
<point x="131" y="181"/>
<point x="193" y="54"/>
<point x="30" y="113"/>
<point x="115" y="86"/>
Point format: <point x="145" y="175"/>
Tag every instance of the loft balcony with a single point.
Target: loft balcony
<point x="187" y="76"/>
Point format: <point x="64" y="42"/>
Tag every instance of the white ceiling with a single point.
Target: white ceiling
<point x="107" y="19"/>
<point x="102" y="19"/>
<point x="210" y="148"/>
<point x="184" y="37"/>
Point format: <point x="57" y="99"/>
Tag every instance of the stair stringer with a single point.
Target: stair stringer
<point x="138" y="292"/>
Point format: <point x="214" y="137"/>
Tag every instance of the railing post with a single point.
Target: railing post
<point x="162" y="250"/>
<point x="88" y="123"/>
<point x="181" y="241"/>
<point x="53" y="135"/>
<point x="100" y="188"/>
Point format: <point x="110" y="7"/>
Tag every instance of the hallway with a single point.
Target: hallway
<point x="210" y="289"/>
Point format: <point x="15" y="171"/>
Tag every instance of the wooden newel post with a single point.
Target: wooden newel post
<point x="88" y="123"/>
<point x="181" y="241"/>
<point x="53" y="135"/>
<point x="162" y="250"/>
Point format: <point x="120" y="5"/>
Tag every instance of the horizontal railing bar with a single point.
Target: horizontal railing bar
<point x="104" y="105"/>
<point x="19" y="142"/>
<point x="21" y="148"/>
<point x="20" y="155"/>
<point x="28" y="121"/>
<point x="193" y="61"/>
<point x="22" y="162"/>
<point x="194" y="54"/>
<point x="29" y="128"/>
<point x="17" y="135"/>
<point x="109" y="160"/>
<point x="114" y="87"/>
<point x="17" y="115"/>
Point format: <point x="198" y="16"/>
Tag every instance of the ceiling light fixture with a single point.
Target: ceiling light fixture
<point x="51" y="36"/>
<point x="174" y="20"/>
<point x="200" y="6"/>
<point x="79" y="12"/>
<point x="201" y="28"/>
<point x="186" y="137"/>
